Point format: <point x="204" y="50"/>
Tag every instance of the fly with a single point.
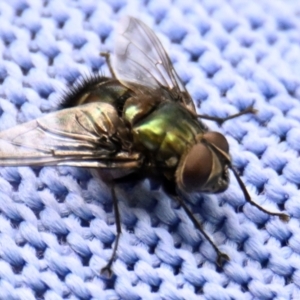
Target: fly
<point x="139" y="123"/>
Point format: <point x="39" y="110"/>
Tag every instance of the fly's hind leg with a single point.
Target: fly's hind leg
<point x="107" y="268"/>
<point x="248" y="110"/>
<point x="106" y="55"/>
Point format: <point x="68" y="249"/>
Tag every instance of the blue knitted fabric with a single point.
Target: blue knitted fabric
<point x="57" y="225"/>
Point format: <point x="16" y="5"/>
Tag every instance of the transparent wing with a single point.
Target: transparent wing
<point x="85" y="136"/>
<point x="141" y="59"/>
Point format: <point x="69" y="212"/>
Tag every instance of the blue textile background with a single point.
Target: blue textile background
<point x="56" y="223"/>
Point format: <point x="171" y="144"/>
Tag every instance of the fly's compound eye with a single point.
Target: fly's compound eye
<point x="195" y="168"/>
<point x="217" y="139"/>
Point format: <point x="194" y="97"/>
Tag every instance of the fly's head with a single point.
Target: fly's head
<point x="204" y="167"/>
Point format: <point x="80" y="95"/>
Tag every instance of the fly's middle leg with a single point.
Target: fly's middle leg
<point x="107" y="268"/>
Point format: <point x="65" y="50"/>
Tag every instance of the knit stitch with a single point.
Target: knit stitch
<point x="57" y="225"/>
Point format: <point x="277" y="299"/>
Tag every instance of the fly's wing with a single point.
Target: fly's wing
<point x="140" y="59"/>
<point x="90" y="135"/>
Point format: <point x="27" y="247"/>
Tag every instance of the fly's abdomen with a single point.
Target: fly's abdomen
<point x="96" y="89"/>
<point x="166" y="133"/>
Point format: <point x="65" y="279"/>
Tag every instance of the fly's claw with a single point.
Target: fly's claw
<point x="107" y="271"/>
<point x="250" y="110"/>
<point x="284" y="217"/>
<point x="222" y="258"/>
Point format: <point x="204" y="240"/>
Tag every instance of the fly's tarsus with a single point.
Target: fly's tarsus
<point x="248" y="110"/>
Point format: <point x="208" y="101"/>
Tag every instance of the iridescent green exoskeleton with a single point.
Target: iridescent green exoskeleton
<point x="141" y="121"/>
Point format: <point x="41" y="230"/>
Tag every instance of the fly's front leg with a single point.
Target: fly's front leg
<point x="106" y="55"/>
<point x="283" y="217"/>
<point x="170" y="188"/>
<point x="107" y="268"/>
<point x="248" y="110"/>
<point x="221" y="256"/>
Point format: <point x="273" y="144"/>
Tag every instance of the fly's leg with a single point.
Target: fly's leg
<point x="282" y="216"/>
<point x="248" y="110"/>
<point x="107" y="268"/>
<point x="221" y="256"/>
<point x="170" y="188"/>
<point x="106" y="55"/>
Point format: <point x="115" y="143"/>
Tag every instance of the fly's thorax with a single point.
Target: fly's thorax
<point x="139" y="106"/>
<point x="204" y="165"/>
<point x="166" y="132"/>
<point x="143" y="102"/>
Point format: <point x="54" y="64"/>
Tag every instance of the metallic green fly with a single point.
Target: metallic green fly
<point x="140" y="123"/>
